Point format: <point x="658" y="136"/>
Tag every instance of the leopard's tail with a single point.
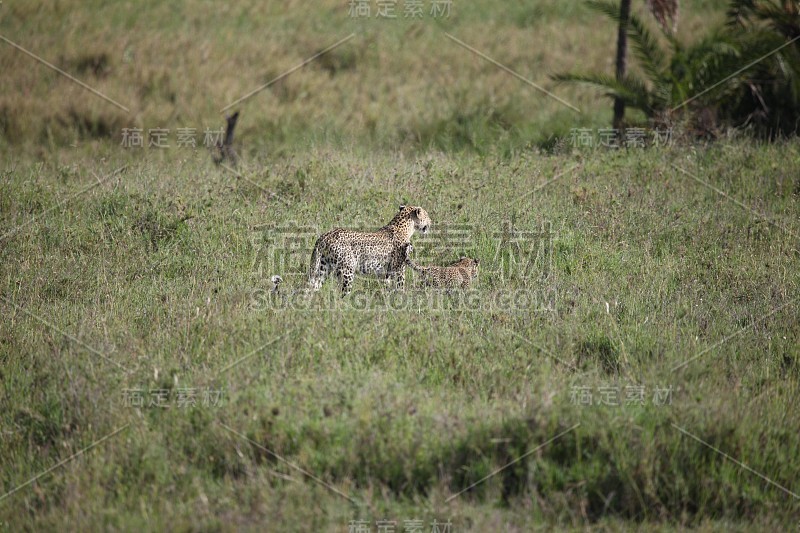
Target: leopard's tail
<point x="315" y="276"/>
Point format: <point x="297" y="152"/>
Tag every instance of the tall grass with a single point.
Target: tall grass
<point x="158" y="279"/>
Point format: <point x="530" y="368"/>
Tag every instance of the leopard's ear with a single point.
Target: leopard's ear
<point x="402" y="206"/>
<point x="418" y="211"/>
<point x="477" y="262"/>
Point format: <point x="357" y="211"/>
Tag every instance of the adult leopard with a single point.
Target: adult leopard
<point x="382" y="253"/>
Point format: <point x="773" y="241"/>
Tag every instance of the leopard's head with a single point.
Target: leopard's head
<point x="468" y="265"/>
<point x="474" y="265"/>
<point x="417" y="215"/>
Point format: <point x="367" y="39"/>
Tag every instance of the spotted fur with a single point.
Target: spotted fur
<point x="457" y="274"/>
<point x="345" y="253"/>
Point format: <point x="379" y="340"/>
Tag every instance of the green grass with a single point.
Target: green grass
<point x="158" y="278"/>
<point x="401" y="406"/>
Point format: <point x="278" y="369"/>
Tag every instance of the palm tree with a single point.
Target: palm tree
<point x="666" y="13"/>
<point x="621" y="63"/>
<point x="672" y="74"/>
<point x="746" y="73"/>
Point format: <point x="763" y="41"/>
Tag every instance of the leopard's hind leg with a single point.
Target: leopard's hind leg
<point x="346" y="274"/>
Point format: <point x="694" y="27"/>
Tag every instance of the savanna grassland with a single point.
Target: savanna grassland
<point x="634" y="356"/>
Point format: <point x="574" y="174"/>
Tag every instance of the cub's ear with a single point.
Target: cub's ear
<point x="418" y="211"/>
<point x="477" y="262"/>
<point x="402" y="206"/>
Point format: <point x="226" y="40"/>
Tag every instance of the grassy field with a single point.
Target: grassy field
<point x="631" y="347"/>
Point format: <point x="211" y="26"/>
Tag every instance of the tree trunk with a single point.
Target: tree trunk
<point x="622" y="52"/>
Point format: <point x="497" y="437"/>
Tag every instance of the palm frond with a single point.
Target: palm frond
<point x="783" y="18"/>
<point x="646" y="48"/>
<point x="605" y="7"/>
<point x="633" y="91"/>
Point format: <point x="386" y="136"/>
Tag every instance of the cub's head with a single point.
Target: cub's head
<point x="417" y="215"/>
<point x="469" y="265"/>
